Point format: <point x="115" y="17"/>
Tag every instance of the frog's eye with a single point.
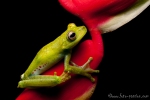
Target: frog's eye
<point x="71" y="36"/>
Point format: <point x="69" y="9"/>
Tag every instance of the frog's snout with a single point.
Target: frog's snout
<point x="82" y="28"/>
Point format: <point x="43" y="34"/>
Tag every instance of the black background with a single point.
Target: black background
<point x="28" y="26"/>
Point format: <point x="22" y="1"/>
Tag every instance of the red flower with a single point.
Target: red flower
<point x="94" y="13"/>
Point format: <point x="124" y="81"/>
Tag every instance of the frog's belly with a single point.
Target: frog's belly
<point x="44" y="62"/>
<point x="43" y="67"/>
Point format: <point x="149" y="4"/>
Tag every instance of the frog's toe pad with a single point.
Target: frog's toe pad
<point x="93" y="79"/>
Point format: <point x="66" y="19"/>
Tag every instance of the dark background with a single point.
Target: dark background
<point x="28" y="26"/>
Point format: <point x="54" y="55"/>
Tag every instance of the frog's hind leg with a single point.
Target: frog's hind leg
<point x="44" y="80"/>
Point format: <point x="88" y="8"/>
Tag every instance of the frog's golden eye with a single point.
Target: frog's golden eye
<point x="71" y="36"/>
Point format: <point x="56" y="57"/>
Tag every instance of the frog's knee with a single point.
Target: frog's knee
<point x="22" y="76"/>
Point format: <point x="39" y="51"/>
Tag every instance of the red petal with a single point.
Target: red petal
<point x="96" y="11"/>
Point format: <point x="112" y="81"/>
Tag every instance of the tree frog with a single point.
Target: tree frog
<point x="51" y="54"/>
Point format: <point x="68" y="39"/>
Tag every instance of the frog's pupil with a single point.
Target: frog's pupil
<point x="72" y="35"/>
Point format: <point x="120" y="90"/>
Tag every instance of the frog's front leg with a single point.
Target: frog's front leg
<point x="84" y="70"/>
<point x="44" y="80"/>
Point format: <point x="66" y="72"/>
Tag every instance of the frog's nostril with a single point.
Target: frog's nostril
<point x="82" y="27"/>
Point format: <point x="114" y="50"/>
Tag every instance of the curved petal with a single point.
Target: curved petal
<point x="107" y="15"/>
<point x="124" y="17"/>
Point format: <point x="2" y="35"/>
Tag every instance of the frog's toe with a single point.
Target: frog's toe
<point x="89" y="70"/>
<point x="74" y="64"/>
<point x="96" y="71"/>
<point x="93" y="79"/>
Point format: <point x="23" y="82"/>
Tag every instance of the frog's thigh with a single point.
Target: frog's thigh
<point x="44" y="80"/>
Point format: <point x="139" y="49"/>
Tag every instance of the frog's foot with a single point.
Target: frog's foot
<point x="84" y="70"/>
<point x="64" y="77"/>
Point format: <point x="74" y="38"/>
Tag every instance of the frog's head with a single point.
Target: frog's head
<point x="73" y="35"/>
